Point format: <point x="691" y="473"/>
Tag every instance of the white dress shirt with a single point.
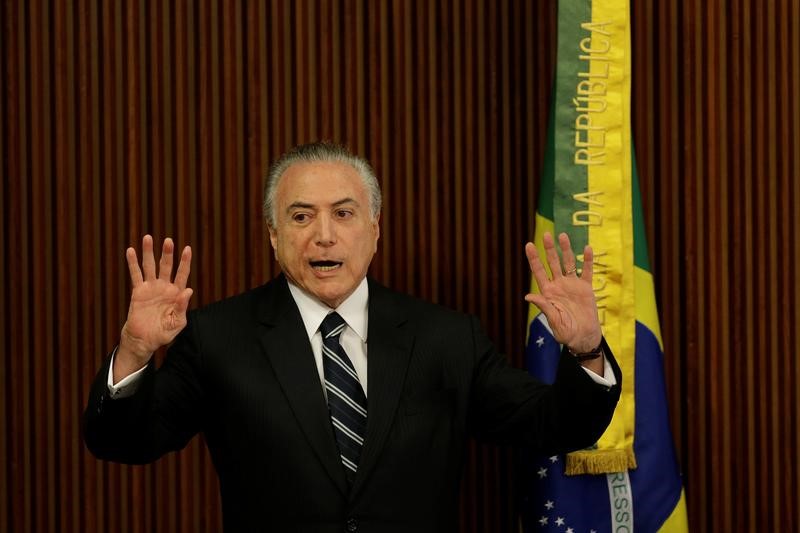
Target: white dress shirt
<point x="354" y="337"/>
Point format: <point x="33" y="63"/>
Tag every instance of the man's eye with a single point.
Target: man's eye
<point x="344" y="213"/>
<point x="300" y="217"/>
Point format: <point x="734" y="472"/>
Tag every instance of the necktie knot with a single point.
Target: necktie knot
<point x="332" y="326"/>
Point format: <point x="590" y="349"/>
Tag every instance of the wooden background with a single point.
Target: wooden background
<point x="120" y="118"/>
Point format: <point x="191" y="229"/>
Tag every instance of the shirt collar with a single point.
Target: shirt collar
<point x="353" y="310"/>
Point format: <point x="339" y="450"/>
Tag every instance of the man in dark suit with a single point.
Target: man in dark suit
<point x="329" y="402"/>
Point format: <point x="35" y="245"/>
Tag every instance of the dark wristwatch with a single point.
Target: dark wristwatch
<point x="587" y="356"/>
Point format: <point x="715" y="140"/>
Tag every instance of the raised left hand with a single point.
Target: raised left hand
<point x="567" y="300"/>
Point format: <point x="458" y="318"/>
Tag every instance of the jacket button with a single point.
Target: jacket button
<point x="352" y="525"/>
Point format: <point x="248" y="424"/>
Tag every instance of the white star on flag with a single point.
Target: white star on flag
<point x="542" y="473"/>
<point x="543" y="520"/>
<point x="560" y="521"/>
<point x="570" y="530"/>
<point x="553" y="458"/>
<point x="549" y="504"/>
<point x="540" y="342"/>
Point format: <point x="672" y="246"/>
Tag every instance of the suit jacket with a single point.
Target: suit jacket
<point x="243" y="373"/>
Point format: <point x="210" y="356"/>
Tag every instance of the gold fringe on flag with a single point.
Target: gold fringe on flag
<point x="600" y="461"/>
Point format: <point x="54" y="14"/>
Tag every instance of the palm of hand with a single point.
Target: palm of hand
<point x="574" y="311"/>
<point x="566" y="299"/>
<point x="157" y="312"/>
<point x="154" y="315"/>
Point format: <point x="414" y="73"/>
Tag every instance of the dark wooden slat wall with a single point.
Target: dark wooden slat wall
<point x="118" y="118"/>
<point x="716" y="109"/>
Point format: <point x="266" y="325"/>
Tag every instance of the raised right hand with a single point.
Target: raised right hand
<point x="157" y="312"/>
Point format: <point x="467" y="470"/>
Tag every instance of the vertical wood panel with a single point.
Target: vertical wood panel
<point x="119" y="118"/>
<point x="725" y="202"/>
<point x="4" y="311"/>
<point x="794" y="302"/>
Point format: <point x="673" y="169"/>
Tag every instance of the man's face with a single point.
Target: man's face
<point x="325" y="235"/>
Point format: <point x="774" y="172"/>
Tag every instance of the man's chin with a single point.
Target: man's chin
<point x="328" y="292"/>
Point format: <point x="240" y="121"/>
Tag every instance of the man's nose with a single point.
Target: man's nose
<point x="326" y="231"/>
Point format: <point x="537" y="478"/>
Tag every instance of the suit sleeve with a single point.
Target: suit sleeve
<point x="507" y="405"/>
<point x="163" y="414"/>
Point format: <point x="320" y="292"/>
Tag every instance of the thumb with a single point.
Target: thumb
<point x="182" y="302"/>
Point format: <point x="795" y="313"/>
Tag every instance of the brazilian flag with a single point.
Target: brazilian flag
<point x="629" y="480"/>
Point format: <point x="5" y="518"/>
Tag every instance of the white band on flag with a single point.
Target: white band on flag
<point x="620" y="499"/>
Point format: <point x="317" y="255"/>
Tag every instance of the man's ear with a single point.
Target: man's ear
<point x="273" y="236"/>
<point x="377" y="223"/>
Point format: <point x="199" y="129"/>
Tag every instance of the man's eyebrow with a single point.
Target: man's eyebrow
<point x="304" y="205"/>
<point x="299" y="205"/>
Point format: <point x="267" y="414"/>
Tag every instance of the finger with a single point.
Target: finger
<point x="148" y="261"/>
<point x="567" y="256"/>
<point x="537" y="268"/>
<point x="165" y="265"/>
<point x="182" y="301"/>
<point x="184" y="267"/>
<point x="588" y="264"/>
<point x="133" y="267"/>
<point x="552" y="256"/>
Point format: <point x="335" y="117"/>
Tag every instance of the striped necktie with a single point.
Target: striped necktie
<point x="346" y="400"/>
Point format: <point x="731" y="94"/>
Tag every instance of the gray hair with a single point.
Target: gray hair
<point x="319" y="152"/>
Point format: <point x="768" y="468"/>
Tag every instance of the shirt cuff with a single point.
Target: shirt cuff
<point x="127" y="386"/>
<point x="609" y="381"/>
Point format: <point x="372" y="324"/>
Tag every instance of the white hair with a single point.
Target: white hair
<point x="318" y="152"/>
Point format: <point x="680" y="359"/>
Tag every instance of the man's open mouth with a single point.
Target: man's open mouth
<point x="325" y="266"/>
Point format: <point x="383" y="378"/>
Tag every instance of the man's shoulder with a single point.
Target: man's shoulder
<point x="245" y="305"/>
<point x="416" y="309"/>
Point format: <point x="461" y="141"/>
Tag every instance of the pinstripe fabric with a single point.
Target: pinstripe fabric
<point x="346" y="400"/>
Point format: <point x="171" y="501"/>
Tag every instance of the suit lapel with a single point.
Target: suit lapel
<point x="285" y="343"/>
<point x="389" y="344"/>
